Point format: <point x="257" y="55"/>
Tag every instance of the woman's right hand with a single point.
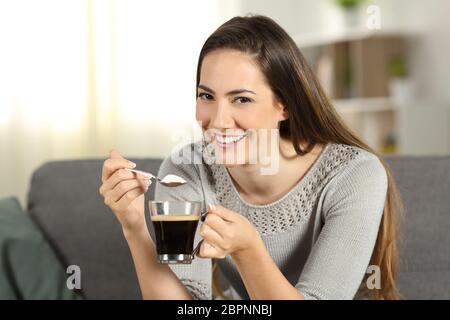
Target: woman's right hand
<point x="123" y="191"/>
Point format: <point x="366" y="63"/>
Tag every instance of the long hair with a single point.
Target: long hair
<point x="312" y="119"/>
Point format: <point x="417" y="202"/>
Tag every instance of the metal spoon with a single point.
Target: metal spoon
<point x="169" y="180"/>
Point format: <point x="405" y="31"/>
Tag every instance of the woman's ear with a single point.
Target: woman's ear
<point x="283" y="112"/>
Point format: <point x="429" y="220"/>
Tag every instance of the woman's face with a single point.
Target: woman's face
<point x="233" y="103"/>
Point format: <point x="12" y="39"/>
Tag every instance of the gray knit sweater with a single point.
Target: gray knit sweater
<point x="321" y="234"/>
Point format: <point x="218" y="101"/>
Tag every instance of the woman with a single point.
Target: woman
<point x="310" y="228"/>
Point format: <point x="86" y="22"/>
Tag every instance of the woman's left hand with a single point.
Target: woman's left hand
<point x="227" y="233"/>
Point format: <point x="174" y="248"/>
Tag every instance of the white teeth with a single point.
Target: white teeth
<point x="229" y="139"/>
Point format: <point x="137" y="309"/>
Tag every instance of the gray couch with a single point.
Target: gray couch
<point x="65" y="203"/>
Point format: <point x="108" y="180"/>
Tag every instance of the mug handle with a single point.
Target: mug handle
<point x="197" y="248"/>
<point x="203" y="215"/>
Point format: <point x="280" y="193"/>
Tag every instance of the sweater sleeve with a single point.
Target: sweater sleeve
<point x="352" y="210"/>
<point x="197" y="275"/>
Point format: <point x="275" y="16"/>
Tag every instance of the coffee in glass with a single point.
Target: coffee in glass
<point x="175" y="224"/>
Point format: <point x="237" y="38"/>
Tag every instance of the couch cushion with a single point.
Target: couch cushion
<point x="29" y="267"/>
<point x="64" y="201"/>
<point x="424" y="184"/>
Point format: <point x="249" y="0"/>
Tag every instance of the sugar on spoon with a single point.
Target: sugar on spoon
<point x="169" y="180"/>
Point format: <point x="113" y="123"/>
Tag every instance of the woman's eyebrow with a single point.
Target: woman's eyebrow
<point x="233" y="92"/>
<point x="238" y="91"/>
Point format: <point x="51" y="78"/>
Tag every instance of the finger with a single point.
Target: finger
<point x="216" y="222"/>
<point x="222" y="212"/>
<point x="207" y="250"/>
<point x="127" y="199"/>
<point x="212" y="237"/>
<point x="119" y="176"/>
<point x="114" y="154"/>
<point x="122" y="188"/>
<point x="111" y="165"/>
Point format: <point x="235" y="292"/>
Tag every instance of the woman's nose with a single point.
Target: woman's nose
<point x="222" y="118"/>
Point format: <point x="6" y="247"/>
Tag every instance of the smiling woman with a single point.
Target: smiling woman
<point x="234" y="102"/>
<point x="308" y="230"/>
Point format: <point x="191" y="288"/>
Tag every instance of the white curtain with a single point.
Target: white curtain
<point x="80" y="77"/>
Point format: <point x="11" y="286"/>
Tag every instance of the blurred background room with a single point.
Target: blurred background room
<point x="80" y="77"/>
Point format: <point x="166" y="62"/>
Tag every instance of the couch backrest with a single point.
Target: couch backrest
<point x="65" y="202"/>
<point x="424" y="184"/>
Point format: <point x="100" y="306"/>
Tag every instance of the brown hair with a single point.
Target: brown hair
<point x="312" y="119"/>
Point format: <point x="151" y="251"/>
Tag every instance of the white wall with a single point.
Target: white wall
<point x="430" y="50"/>
<point x="293" y="15"/>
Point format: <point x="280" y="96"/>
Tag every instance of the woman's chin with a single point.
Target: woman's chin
<point x="229" y="159"/>
<point x="232" y="165"/>
<point x="230" y="162"/>
<point x="231" y="155"/>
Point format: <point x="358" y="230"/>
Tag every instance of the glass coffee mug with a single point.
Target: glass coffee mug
<point x="175" y="224"/>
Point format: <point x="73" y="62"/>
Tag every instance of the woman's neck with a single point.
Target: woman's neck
<point x="257" y="188"/>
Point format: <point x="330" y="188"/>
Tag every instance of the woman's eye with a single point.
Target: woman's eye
<point x="243" y="100"/>
<point x="205" y="96"/>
